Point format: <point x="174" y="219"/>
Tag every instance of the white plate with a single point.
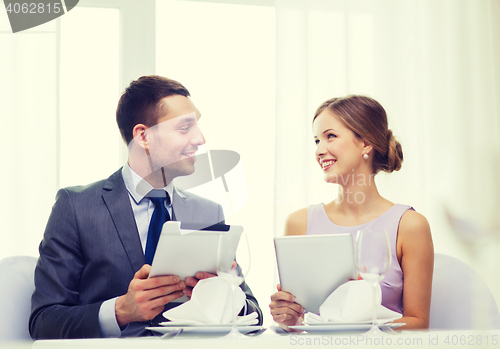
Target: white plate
<point x="204" y="329"/>
<point x="190" y="324"/>
<point x="335" y="327"/>
<point x="327" y="323"/>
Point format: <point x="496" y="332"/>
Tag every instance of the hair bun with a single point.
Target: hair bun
<point x="394" y="154"/>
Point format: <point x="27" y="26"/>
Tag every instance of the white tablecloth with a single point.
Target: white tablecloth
<point x="269" y="339"/>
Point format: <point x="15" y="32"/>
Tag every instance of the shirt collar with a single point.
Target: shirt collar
<point x="138" y="187"/>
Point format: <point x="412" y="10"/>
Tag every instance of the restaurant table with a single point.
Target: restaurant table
<point x="269" y="339"/>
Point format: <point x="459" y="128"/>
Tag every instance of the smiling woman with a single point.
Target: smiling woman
<point x="353" y="140"/>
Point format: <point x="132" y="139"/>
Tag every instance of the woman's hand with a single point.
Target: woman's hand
<point x="284" y="309"/>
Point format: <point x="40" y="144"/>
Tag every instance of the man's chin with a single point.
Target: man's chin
<point x="186" y="171"/>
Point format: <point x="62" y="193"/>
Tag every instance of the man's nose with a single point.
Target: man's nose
<point x="198" y="138"/>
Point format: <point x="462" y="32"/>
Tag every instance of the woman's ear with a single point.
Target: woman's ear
<point x="367" y="147"/>
<point x="140" y="137"/>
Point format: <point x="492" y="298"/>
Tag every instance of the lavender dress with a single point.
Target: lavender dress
<point x="392" y="284"/>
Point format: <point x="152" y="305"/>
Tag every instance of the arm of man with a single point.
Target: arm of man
<point x="56" y="309"/>
<point x="61" y="308"/>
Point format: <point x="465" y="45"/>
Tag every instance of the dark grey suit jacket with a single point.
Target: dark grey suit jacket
<point x="90" y="252"/>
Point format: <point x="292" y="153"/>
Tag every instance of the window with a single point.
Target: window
<point x="89" y="91"/>
<point x="225" y="55"/>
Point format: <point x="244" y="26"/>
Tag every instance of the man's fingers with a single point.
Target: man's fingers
<point x="204" y="275"/>
<point x="145" y="295"/>
<point x="161" y="301"/>
<point x="161" y="281"/>
<point x="191" y="281"/>
<point x="159" y="292"/>
<point x="156" y="306"/>
<point x="143" y="273"/>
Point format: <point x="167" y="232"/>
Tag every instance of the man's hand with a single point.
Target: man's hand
<point x="192" y="281"/>
<point x="146" y="297"/>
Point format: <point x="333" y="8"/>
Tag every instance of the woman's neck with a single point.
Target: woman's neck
<point x="358" y="198"/>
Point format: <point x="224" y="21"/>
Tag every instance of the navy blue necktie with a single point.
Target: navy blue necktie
<point x="159" y="217"/>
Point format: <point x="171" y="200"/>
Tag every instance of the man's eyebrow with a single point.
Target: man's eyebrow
<point x="191" y="117"/>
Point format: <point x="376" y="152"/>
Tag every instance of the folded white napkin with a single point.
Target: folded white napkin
<point x="352" y="302"/>
<point x="211" y="303"/>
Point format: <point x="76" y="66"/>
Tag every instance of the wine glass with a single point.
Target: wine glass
<point x="373" y="260"/>
<point x="234" y="274"/>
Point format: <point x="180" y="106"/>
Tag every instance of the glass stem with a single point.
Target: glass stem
<point x="233" y="288"/>
<point x="374" y="308"/>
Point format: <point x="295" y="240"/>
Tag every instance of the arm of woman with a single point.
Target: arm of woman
<point x="285" y="311"/>
<point x="416" y="257"/>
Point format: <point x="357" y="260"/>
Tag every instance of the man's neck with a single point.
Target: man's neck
<point x="157" y="179"/>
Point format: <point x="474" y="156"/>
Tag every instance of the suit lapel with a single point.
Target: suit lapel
<point x="182" y="211"/>
<point x="116" y="198"/>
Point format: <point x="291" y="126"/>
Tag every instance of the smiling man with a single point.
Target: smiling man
<point x="92" y="275"/>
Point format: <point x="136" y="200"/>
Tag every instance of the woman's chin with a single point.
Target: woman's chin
<point x="331" y="178"/>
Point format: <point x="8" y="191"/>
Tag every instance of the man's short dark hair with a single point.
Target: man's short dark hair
<point x="140" y="103"/>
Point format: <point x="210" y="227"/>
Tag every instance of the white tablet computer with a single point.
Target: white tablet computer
<point x="311" y="267"/>
<point x="184" y="252"/>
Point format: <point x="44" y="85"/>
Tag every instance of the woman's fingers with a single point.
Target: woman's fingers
<point x="284" y="309"/>
<point x="283" y="296"/>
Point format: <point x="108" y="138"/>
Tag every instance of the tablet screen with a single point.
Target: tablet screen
<point x="184" y="252"/>
<point x="311" y="267"/>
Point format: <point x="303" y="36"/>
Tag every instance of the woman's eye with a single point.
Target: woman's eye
<point x="316" y="141"/>
<point x="331" y="135"/>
